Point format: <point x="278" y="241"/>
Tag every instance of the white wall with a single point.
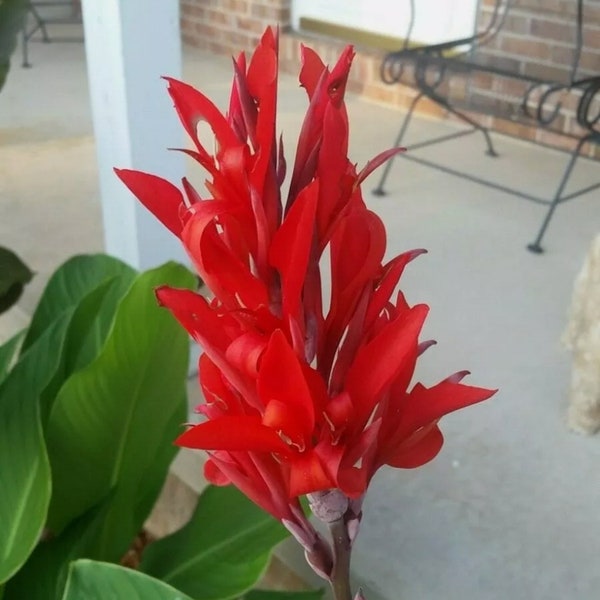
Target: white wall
<point x="437" y="20"/>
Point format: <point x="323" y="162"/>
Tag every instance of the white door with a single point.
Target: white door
<point x="436" y="20"/>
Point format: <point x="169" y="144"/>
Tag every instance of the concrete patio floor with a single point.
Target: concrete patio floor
<point x="511" y="507"/>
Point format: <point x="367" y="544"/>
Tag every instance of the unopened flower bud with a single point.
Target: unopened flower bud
<point x="320" y="559"/>
<point x="352" y="527"/>
<point x="304" y="538"/>
<point x="328" y="506"/>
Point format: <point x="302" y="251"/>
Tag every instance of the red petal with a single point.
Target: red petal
<point x="359" y="240"/>
<point x="245" y="352"/>
<point x="426" y="405"/>
<point x="389" y="281"/>
<point x="309" y="141"/>
<point x="280" y="378"/>
<point x="221" y="398"/>
<point x="339" y="410"/>
<point x="311" y="71"/>
<point x="333" y="165"/>
<point x="336" y="83"/>
<point x="380" y="361"/>
<point x="224" y="272"/>
<point x="193" y="107"/>
<point x="353" y="481"/>
<point x="194" y="313"/>
<point x="158" y="195"/>
<point x="376" y="162"/>
<point x="419" y="449"/>
<point x="307" y="474"/>
<point x="242" y="110"/>
<point x="233" y="433"/>
<point x="291" y="245"/>
<point x="211" y="330"/>
<point x="214" y="475"/>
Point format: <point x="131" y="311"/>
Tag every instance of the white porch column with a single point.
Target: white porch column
<point x="129" y="45"/>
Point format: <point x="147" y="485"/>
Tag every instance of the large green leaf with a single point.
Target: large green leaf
<point x="279" y="595"/>
<point x="26" y="396"/>
<point x="113" y="422"/>
<point x="14" y="273"/>
<point x="24" y="468"/>
<point x="221" y="552"/>
<point x="8" y="353"/>
<point x="70" y="284"/>
<point x="44" y="575"/>
<point x="91" y="580"/>
<point x="12" y="16"/>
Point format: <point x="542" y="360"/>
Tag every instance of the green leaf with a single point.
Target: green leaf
<point x="70" y="284"/>
<point x="12" y="17"/>
<point x="278" y="595"/>
<point x="25" y="480"/>
<point x="14" y="273"/>
<point x="44" y="575"/>
<point x="223" y="550"/>
<point x="93" y="320"/>
<point x="26" y="396"/>
<point x="113" y="422"/>
<point x="8" y="353"/>
<point x="91" y="580"/>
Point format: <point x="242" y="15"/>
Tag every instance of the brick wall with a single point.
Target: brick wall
<point x="538" y="40"/>
<point x="229" y="26"/>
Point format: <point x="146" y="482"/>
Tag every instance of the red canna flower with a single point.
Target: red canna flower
<point x="299" y="400"/>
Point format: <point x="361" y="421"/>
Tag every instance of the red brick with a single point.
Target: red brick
<point x="249" y="24"/>
<point x="235" y="6"/>
<point x="524" y="46"/>
<point x="547" y="72"/>
<point x="218" y="17"/>
<point x="270" y="13"/>
<point x="546" y="29"/>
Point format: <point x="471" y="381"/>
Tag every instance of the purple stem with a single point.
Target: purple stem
<point x="342" y="549"/>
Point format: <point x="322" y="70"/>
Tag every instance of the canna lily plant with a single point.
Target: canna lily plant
<point x="301" y="399"/>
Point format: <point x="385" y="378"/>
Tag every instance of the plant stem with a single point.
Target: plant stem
<point x="340" y="577"/>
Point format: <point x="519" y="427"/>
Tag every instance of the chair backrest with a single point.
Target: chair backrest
<point x="545" y="39"/>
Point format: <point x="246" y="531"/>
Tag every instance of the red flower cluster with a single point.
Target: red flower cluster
<point x="298" y="399"/>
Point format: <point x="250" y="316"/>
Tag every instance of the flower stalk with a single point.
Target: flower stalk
<point x="342" y="550"/>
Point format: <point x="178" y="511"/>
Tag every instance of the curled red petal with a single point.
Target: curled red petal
<point x="193" y="106"/>
<point x="419" y="449"/>
<point x="339" y="410"/>
<point x="357" y="248"/>
<point x="221" y="267"/>
<point x="214" y="475"/>
<point x="245" y="352"/>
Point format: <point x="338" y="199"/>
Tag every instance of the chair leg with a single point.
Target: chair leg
<point x="488" y="140"/>
<point x="535" y="246"/>
<point x="24" y="41"/>
<point x="379" y="190"/>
